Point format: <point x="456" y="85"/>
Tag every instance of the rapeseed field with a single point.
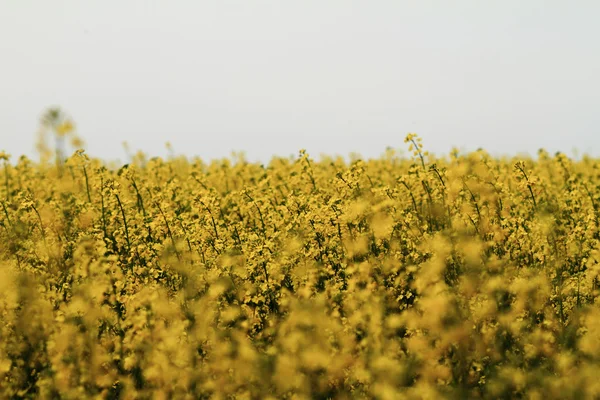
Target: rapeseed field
<point x="412" y="277"/>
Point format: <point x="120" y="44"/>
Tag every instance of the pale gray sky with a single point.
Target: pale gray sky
<point x="271" y="77"/>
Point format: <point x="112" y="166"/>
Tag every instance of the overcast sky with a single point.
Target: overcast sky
<point x="334" y="77"/>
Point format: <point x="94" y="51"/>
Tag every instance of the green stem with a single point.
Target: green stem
<point x="124" y="222"/>
<point x="6" y="213"/>
<point x="418" y="149"/>
<point x="214" y="224"/>
<point x="168" y="229"/>
<point x="528" y="185"/>
<point x="103" y="207"/>
<point x="87" y="184"/>
<point x="262" y="221"/>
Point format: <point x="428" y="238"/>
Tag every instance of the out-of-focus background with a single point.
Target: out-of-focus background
<point x="272" y="77"/>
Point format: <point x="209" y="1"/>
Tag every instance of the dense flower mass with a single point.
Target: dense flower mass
<point x="422" y="277"/>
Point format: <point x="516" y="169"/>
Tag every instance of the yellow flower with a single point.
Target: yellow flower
<point x="65" y="128"/>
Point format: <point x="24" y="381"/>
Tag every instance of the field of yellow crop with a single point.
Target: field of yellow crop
<point x="399" y="277"/>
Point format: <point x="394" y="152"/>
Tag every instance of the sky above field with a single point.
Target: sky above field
<point x="333" y="77"/>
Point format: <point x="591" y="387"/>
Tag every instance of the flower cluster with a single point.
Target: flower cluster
<point x="419" y="277"/>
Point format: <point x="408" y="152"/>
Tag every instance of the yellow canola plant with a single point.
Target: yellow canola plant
<point x="390" y="278"/>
